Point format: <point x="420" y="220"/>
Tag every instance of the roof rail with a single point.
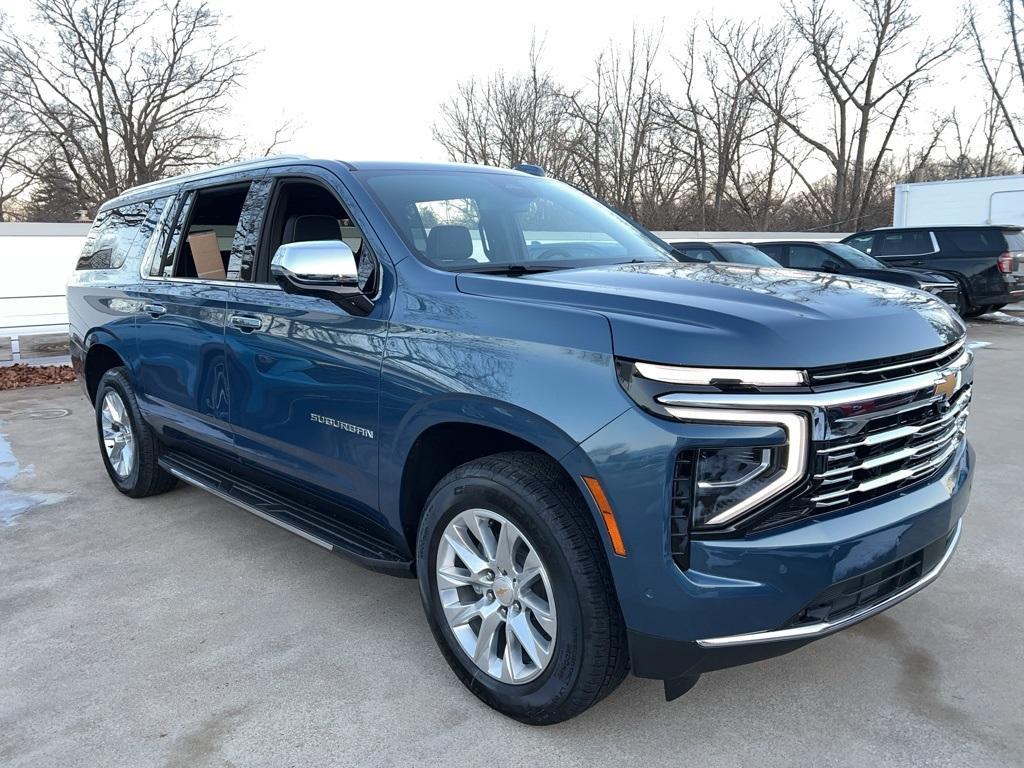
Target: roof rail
<point x="239" y="166"/>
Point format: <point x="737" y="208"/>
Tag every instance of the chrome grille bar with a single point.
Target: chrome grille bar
<point x="906" y="431"/>
<point x="942" y="435"/>
<point x="892" y="478"/>
<point x="905" y="453"/>
<point x="947" y="352"/>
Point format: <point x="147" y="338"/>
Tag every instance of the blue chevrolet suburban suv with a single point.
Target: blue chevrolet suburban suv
<point x="593" y="458"/>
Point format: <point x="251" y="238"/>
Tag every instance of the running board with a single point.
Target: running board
<point x="321" y="528"/>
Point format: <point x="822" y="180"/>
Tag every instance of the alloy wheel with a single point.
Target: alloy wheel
<point x="496" y="596"/>
<point x="118" y="440"/>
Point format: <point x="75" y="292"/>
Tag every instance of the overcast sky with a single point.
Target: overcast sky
<point x="364" y="80"/>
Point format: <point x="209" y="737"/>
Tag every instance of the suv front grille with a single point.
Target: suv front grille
<point x="884" y="369"/>
<point x="889" y="452"/>
<point x="876" y="454"/>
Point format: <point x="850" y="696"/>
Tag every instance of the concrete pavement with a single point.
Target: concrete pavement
<point x="181" y="631"/>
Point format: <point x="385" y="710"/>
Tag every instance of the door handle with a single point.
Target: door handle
<point x="154" y="309"/>
<point x="246" y="323"/>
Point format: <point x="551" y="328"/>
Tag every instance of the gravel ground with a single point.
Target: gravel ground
<point x="180" y="631"/>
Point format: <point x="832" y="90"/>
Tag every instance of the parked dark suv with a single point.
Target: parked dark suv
<point x="987" y="261"/>
<point x="593" y="457"/>
<point x="842" y="259"/>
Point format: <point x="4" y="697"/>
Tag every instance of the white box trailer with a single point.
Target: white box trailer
<point x="988" y="200"/>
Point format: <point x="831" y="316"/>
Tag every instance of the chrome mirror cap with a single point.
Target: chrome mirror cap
<point x="326" y="269"/>
<point x="317" y="263"/>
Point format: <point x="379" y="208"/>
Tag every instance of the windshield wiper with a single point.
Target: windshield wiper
<point x="509" y="270"/>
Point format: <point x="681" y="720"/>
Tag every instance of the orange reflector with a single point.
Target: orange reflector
<point x="606" y="514"/>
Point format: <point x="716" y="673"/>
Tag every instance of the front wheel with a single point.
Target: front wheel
<point x="517" y="591"/>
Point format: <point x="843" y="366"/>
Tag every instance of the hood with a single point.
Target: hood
<point x="737" y="315"/>
<point x="926" y="276"/>
<point x="895" y="276"/>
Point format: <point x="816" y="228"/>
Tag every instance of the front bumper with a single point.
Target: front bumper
<point x="736" y="601"/>
<point x="822" y="628"/>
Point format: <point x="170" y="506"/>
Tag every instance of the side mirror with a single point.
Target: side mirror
<point x="323" y="268"/>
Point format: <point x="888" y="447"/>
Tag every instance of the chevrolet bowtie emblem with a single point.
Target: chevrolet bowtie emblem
<point x="946" y="387"/>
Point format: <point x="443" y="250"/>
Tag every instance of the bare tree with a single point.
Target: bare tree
<point x="17" y="169"/>
<point x="623" y="150"/>
<point x="1003" y="72"/>
<point x="869" y="77"/>
<point x="17" y="143"/>
<point x="127" y="91"/>
<point x="507" y="120"/>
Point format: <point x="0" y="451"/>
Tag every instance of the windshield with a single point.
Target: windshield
<point x="745" y="254"/>
<point x="473" y="221"/>
<point x="857" y="259"/>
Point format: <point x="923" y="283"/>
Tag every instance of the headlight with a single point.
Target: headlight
<point x="937" y="288"/>
<point x="725" y="477"/>
<point x="731" y="482"/>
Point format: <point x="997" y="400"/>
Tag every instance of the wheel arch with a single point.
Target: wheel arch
<point x="456" y="431"/>
<point x="103" y="351"/>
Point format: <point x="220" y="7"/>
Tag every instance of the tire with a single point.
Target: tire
<point x="140" y="475"/>
<point x="973" y="312"/>
<point x="588" y="650"/>
<point x="961" y="307"/>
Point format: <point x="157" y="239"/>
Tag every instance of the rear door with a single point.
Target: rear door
<point x="183" y="382"/>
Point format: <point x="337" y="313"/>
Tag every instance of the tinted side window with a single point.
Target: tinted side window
<point x="112" y="235"/>
<point x="904" y="244"/>
<point x="698" y="254"/>
<point x="806" y="257"/>
<point x="862" y="243"/>
<point x="216" y="233"/>
<point x="774" y="251"/>
<point x="978" y="240"/>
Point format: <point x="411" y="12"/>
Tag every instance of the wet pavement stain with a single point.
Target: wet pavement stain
<point x="12" y="503"/>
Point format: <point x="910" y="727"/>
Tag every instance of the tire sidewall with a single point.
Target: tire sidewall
<point x="114" y="380"/>
<point x="556" y="682"/>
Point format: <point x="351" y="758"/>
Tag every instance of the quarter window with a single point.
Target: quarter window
<point x="979" y="240"/>
<point x="114" y="234"/>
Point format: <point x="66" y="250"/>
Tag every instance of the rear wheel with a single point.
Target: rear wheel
<point x="128" y="446"/>
<point x="517" y="591"/>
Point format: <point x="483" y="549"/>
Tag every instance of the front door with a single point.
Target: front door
<point x="304" y="374"/>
